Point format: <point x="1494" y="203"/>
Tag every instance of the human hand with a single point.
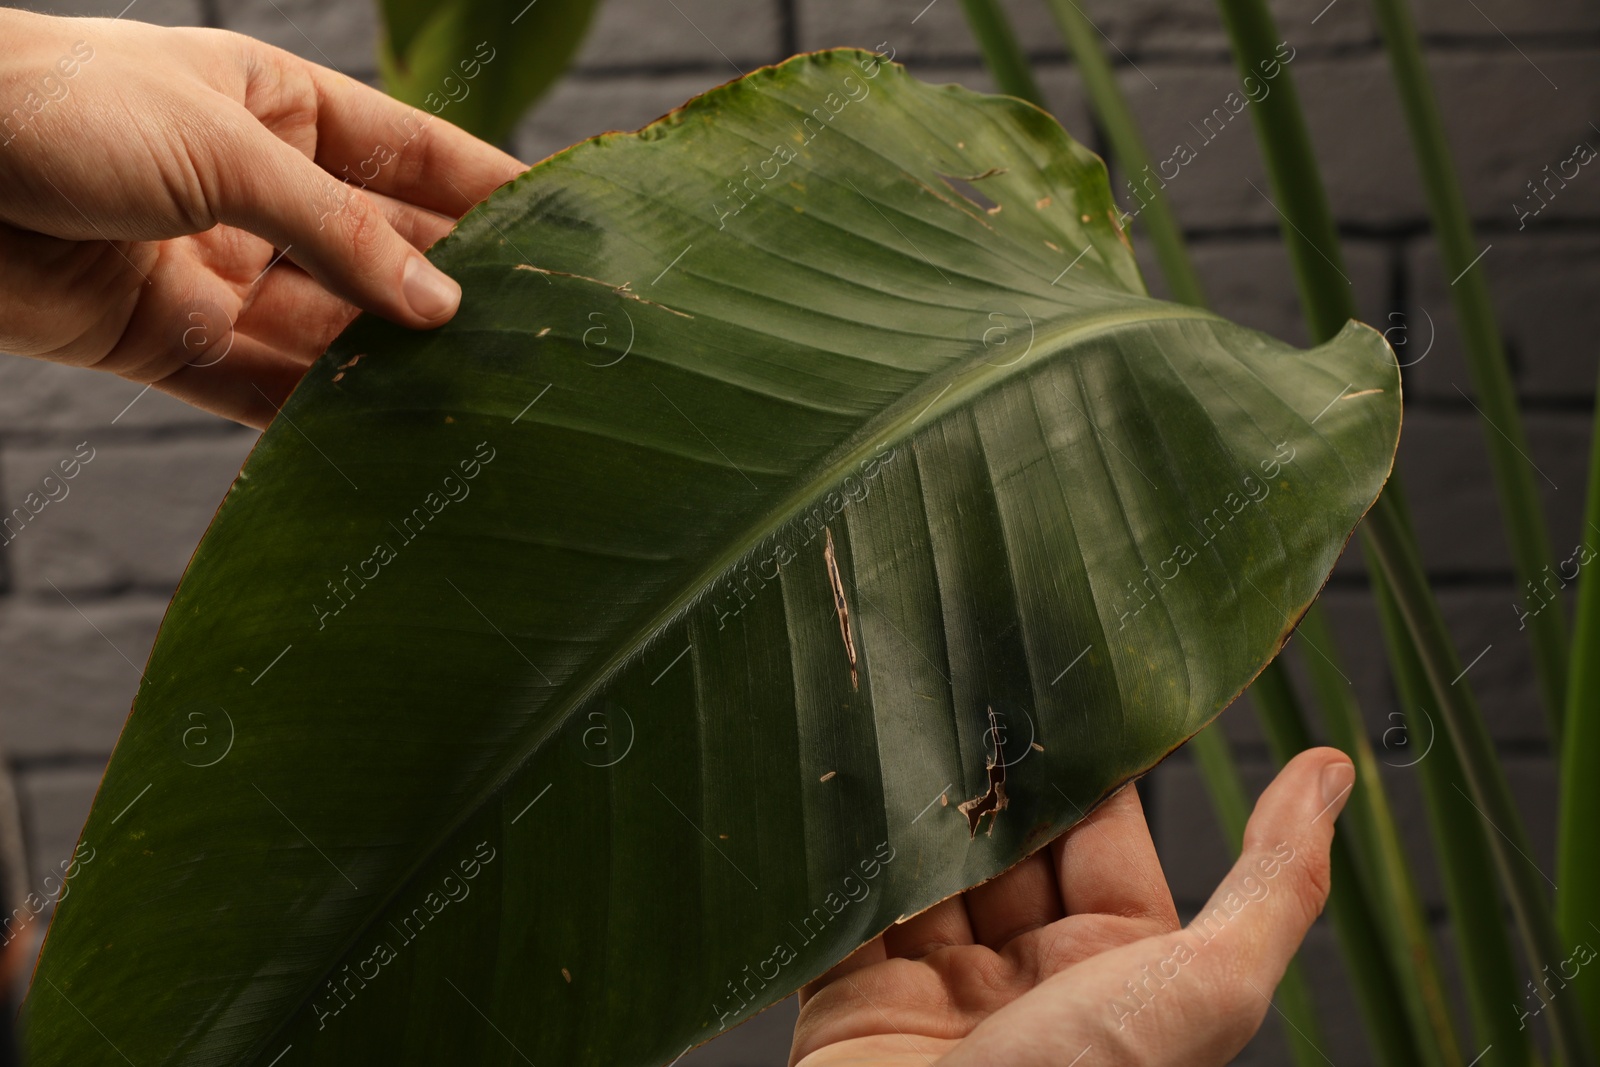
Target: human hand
<point x="151" y="174"/>
<point x="1074" y="958"/>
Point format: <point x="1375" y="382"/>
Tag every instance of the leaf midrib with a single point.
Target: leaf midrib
<point x="941" y="393"/>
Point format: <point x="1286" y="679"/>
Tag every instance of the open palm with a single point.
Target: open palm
<point x="1076" y="957"/>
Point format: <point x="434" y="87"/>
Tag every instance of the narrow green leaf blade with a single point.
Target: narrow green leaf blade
<point x="479" y="63"/>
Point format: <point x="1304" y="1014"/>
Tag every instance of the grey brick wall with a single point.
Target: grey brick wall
<point x="82" y="591"/>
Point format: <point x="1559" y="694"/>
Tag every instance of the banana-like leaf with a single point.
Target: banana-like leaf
<point x="478" y="63"/>
<point x="570" y="683"/>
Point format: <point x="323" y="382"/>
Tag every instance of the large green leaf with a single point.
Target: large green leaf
<point x="478" y="63"/>
<point x="573" y="681"/>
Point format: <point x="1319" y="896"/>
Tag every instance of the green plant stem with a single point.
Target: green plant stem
<point x="1127" y="147"/>
<point x="1488" y="963"/>
<point x="1392" y="548"/>
<point x="1232" y="807"/>
<point x="1001" y="52"/>
<point x="1216" y="764"/>
<point x="1578" y="862"/>
<point x="1313" y="247"/>
<point x="1355" y="920"/>
<point x="1521" y="509"/>
<point x="1377" y="842"/>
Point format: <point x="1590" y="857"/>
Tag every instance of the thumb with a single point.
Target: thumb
<point x="1233" y="953"/>
<point x="328" y="227"/>
<point x="1194" y="997"/>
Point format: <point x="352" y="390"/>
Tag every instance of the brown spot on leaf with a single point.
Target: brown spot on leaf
<point x="1041" y="203"/>
<point x="567" y="975"/>
<point x="829" y="775"/>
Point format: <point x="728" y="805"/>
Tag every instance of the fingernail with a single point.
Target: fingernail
<point x="1337" y="778"/>
<point x="431" y="294"/>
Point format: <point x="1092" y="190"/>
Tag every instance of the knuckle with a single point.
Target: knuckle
<point x="363" y="229"/>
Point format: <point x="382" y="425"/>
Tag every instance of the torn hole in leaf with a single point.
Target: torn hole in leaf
<point x="965" y="188"/>
<point x="992" y="801"/>
<point x="841" y="606"/>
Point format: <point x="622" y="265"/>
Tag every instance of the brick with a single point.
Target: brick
<point x="160" y="12"/>
<point x="47" y="396"/>
<point x="1249" y="279"/>
<point x="1445" y="461"/>
<point x="1506" y="122"/>
<point x="1213" y="189"/>
<point x="55" y="804"/>
<point x="1486" y="622"/>
<point x="1360" y="137"/>
<point x="131" y="516"/>
<point x="918" y="30"/>
<point x="1542" y="282"/>
<point x="915" y="30"/>
<point x="71" y="678"/>
<point x="1196" y="859"/>
<point x="710" y="33"/>
<point x="582" y="106"/>
<point x="764" y="1039"/>
<point x="1490" y="18"/>
<point x="342" y="36"/>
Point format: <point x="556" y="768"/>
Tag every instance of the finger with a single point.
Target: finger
<point x="248" y="384"/>
<point x="865" y="956"/>
<point x="290" y="311"/>
<point x="371" y="138"/>
<point x="337" y="234"/>
<point x="1193" y="997"/>
<point x="418" y="226"/>
<point x="1107" y="865"/>
<point x="941" y="926"/>
<point x="1022" y="899"/>
<point x="1285" y="864"/>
